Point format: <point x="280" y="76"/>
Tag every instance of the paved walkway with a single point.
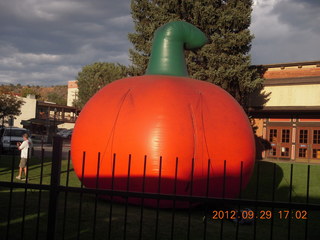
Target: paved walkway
<point x="48" y="150"/>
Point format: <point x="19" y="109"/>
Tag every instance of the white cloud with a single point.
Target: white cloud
<point x="48" y="41"/>
<point x="38" y="58"/>
<point x="284" y="32"/>
<point x="122" y="21"/>
<point x="300" y="15"/>
<point x="10" y="62"/>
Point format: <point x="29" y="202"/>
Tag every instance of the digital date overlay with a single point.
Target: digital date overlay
<point x="247" y="216"/>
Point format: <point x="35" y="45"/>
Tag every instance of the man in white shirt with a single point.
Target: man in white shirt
<point x="24" y="148"/>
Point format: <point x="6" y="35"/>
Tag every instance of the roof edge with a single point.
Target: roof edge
<point x="290" y="64"/>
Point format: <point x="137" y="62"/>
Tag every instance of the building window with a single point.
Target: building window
<point x="285" y="152"/>
<point x="285" y="135"/>
<point x="303" y="136"/>
<point x="316" y="153"/>
<point x="273" y="135"/>
<point x="316" y="136"/>
<point x="273" y="151"/>
<point x="302" y="152"/>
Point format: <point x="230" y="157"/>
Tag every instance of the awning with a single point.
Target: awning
<point x="285" y="111"/>
<point x="42" y="122"/>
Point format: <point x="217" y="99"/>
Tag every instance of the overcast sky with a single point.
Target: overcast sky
<point x="46" y="42"/>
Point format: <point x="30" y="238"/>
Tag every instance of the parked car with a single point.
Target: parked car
<point x="61" y="131"/>
<point x="65" y="133"/>
<point x="10" y="136"/>
<point x="1" y="133"/>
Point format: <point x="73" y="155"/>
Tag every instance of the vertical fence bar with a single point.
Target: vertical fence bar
<point x="68" y="169"/>
<point x="54" y="185"/>
<point x="96" y="200"/>
<point x="40" y="195"/>
<point x="174" y="200"/>
<point x="307" y="202"/>
<point x="142" y="200"/>
<point x="223" y="194"/>
<point x="256" y="199"/>
<point x="240" y="196"/>
<point x="273" y="193"/>
<point x="158" y="200"/>
<point x="81" y="194"/>
<point x="126" y="206"/>
<point x="65" y="198"/>
<point x="206" y="204"/>
<point x="10" y="199"/>
<point x="25" y="197"/>
<point x="42" y="141"/>
<point x="290" y="192"/>
<point x="191" y="192"/>
<point x="290" y="199"/>
<point x="111" y="197"/>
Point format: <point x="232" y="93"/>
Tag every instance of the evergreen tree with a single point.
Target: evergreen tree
<point x="223" y="61"/>
<point x="95" y="76"/>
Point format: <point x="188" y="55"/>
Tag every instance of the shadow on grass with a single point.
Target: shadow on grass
<point x="274" y="181"/>
<point x="11" y="162"/>
<point x="73" y="221"/>
<point x="264" y="182"/>
<point x="269" y="180"/>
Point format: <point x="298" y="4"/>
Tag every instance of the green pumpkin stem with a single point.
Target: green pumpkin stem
<point x="170" y="40"/>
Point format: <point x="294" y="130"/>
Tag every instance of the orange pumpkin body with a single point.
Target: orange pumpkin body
<point x="168" y="117"/>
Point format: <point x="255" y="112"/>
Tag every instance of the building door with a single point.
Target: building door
<point x="281" y="141"/>
<point x="315" y="143"/>
<point x="308" y="143"/>
<point x="303" y="142"/>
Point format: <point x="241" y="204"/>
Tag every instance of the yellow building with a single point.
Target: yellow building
<point x="72" y="92"/>
<point x="287" y="112"/>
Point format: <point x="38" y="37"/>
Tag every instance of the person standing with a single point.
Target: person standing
<point x="24" y="148"/>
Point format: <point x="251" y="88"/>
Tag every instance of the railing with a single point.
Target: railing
<point x="57" y="117"/>
<point x="282" y="201"/>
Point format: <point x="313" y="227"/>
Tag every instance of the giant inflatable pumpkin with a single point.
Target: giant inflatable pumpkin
<point x="165" y="115"/>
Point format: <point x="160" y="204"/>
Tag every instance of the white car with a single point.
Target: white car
<point x="65" y="133"/>
<point x="10" y="137"/>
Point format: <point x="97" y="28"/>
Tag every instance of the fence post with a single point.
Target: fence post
<point x="54" y="185"/>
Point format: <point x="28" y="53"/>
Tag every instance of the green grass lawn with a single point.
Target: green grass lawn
<point x="262" y="227"/>
<point x="282" y="182"/>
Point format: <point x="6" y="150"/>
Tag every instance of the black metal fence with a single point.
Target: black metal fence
<point x="282" y="201"/>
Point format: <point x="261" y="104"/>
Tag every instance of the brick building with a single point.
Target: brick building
<point x="287" y="112"/>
